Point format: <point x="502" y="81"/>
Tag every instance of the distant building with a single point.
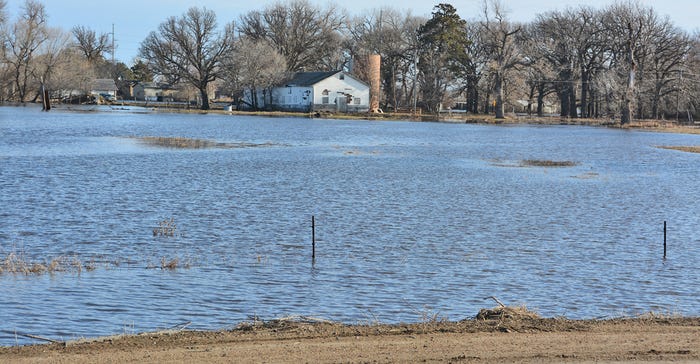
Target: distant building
<point x="104" y="88"/>
<point x="151" y="91"/>
<point x="334" y="91"/>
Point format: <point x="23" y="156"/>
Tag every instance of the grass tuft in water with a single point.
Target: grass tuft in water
<point x="165" y="228"/>
<point x="16" y="263"/>
<point x="169" y="264"/>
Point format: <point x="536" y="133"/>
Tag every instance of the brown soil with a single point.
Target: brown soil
<point x="689" y="149"/>
<point x="495" y="340"/>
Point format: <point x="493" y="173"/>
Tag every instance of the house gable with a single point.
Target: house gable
<point x="103" y="86"/>
<point x="341" y="92"/>
<point x="314" y="91"/>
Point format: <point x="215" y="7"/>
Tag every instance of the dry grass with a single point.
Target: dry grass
<point x="178" y="142"/>
<point x="165" y="228"/>
<point x="192" y="143"/>
<point x="506" y="312"/>
<point x="689" y="149"/>
<point x="16" y="263"/>
<point x="169" y="264"/>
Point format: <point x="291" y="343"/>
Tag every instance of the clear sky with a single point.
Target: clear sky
<point x="133" y="20"/>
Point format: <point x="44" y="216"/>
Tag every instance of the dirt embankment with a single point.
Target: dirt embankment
<point x="489" y="340"/>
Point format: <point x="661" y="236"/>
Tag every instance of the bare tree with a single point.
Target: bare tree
<point x="670" y="48"/>
<point x="71" y="73"/>
<point x="4" y="66"/>
<point x="500" y="42"/>
<point x="253" y="67"/>
<point x="391" y="33"/>
<point x="688" y="91"/>
<point x="23" y="40"/>
<point x="52" y="55"/>
<point x="629" y="26"/>
<point x="3" y="14"/>
<point x="540" y="77"/>
<point x="556" y="46"/>
<point x="576" y="45"/>
<point x="90" y="44"/>
<point x="189" y="48"/>
<point x="308" y="37"/>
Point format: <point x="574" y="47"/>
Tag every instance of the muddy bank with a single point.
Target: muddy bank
<point x="503" y="339"/>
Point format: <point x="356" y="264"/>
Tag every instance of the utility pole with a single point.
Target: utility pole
<point x="114" y="64"/>
<point x="113" y="46"/>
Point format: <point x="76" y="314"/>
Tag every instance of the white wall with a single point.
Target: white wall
<point x="300" y="98"/>
<point x="292" y="97"/>
<point x="337" y="88"/>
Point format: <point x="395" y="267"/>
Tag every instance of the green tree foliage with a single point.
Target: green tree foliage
<point x="141" y="72"/>
<point x="443" y="43"/>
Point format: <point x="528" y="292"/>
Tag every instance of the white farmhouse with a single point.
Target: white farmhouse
<point x="334" y="91"/>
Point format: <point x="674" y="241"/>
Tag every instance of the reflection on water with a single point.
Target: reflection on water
<point x="409" y="217"/>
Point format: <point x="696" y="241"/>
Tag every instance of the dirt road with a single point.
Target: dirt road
<point x="485" y="341"/>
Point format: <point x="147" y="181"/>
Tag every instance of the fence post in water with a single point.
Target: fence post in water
<point x="664" y="239"/>
<point x="313" y="237"/>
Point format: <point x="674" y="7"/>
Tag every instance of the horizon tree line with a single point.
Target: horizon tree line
<point x="621" y="61"/>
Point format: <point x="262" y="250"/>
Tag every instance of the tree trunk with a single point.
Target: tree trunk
<point x="540" y="100"/>
<point x="584" y="94"/>
<point x="472" y="94"/>
<point x="655" y="103"/>
<point x="573" y="110"/>
<point x="564" y="101"/>
<point x="627" y="106"/>
<point x="205" y="97"/>
<point x="628" y="98"/>
<point x="254" y="98"/>
<point x="498" y="90"/>
<point x="531" y="96"/>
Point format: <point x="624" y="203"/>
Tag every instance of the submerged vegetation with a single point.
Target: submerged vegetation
<point x="191" y="143"/>
<point x="165" y="227"/>
<point x="547" y="163"/>
<point x="19" y="264"/>
<point x="15" y="263"/>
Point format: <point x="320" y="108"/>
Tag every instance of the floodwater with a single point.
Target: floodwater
<point x="411" y="220"/>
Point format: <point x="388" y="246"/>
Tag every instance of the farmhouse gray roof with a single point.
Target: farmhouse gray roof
<point x="309" y="78"/>
<point x="103" y="84"/>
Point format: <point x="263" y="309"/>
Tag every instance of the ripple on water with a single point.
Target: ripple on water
<point x="415" y="220"/>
